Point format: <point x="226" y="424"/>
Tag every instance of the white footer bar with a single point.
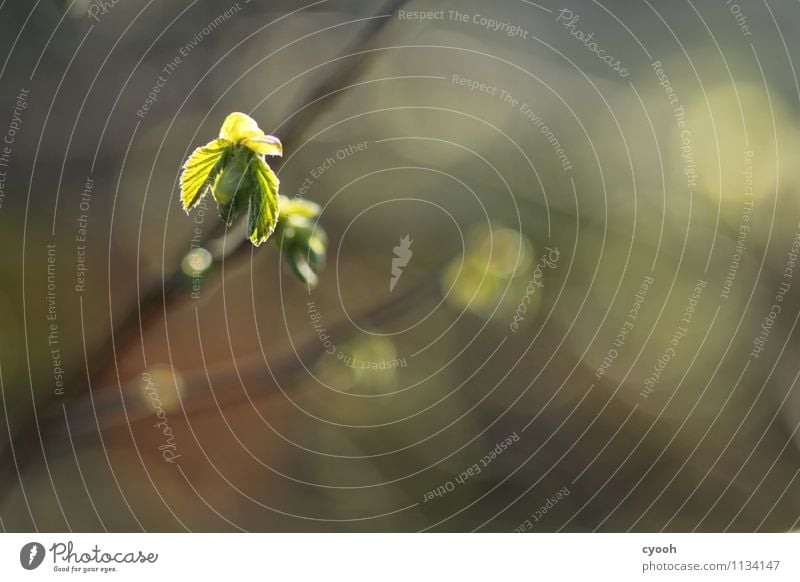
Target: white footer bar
<point x="401" y="557"/>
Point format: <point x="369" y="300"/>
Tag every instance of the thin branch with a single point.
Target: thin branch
<point x="228" y="390"/>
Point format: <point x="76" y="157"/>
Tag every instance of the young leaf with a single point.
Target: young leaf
<point x="243" y="129"/>
<point x="301" y="240"/>
<point x="301" y="268"/>
<point x="233" y="167"/>
<point x="200" y="170"/>
<point x="264" y="202"/>
<point x="234" y="185"/>
<point x="299" y="207"/>
<point x="238" y="127"/>
<point x="266" y="145"/>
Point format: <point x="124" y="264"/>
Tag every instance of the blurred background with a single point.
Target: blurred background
<point x="560" y="287"/>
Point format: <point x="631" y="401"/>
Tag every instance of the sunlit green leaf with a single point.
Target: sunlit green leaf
<point x="242" y="129"/>
<point x="233" y="167"/>
<point x="299" y="265"/>
<point x="302" y="241"/>
<point x="200" y="170"/>
<point x="267" y="145"/>
<point x="299" y="207"/>
<point x="238" y="127"/>
<point x="264" y="202"/>
<point x="235" y="185"/>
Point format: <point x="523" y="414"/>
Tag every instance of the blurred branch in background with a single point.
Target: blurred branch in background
<point x="226" y="383"/>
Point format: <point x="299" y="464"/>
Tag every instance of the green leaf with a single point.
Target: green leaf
<point x="264" y="202"/>
<point x="229" y="211"/>
<point x="299" y="207"/>
<point x="301" y="268"/>
<point x="235" y="185"/>
<point x="200" y="170"/>
<point x="301" y="240"/>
